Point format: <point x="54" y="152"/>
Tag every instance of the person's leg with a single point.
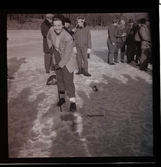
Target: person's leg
<point x="70" y="87"/>
<point x="47" y="61"/>
<point x="144" y="60"/>
<point x="122" y="53"/>
<point x="111" y="51"/>
<point x="79" y="60"/>
<point x="60" y="80"/>
<point x="85" y="62"/>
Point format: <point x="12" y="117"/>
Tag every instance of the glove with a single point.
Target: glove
<point x="75" y="50"/>
<point x="57" y="67"/>
<point x="88" y="50"/>
<point x="51" y="50"/>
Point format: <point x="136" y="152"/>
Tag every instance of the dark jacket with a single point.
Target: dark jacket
<point x="145" y="36"/>
<point x="82" y="37"/>
<point x="45" y="26"/>
<point x="112" y="30"/>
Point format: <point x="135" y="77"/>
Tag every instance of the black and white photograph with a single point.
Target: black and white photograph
<point x="80" y="85"/>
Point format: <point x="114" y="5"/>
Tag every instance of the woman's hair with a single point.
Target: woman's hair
<point x="59" y="17"/>
<point x="81" y="17"/>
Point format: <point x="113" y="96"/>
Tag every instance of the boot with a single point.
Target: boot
<point x="88" y="56"/>
<point x="72" y="107"/>
<point x="115" y="58"/>
<point x="79" y="71"/>
<point x="85" y="73"/>
<point x="61" y="99"/>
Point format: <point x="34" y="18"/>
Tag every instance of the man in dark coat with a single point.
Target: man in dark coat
<point x="45" y="26"/>
<point x="111" y="41"/>
<point x="145" y="44"/>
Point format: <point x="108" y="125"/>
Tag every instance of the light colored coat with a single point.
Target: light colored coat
<point x="65" y="48"/>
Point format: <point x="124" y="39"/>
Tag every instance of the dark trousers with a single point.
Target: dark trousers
<point x="64" y="78"/>
<point x="111" y="51"/>
<point x="144" y="60"/>
<point x="82" y="57"/>
<point x="130" y="52"/>
<point x="48" y="61"/>
<point x="138" y="51"/>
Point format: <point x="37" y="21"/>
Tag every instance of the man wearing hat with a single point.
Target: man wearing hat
<point x="145" y="44"/>
<point x="111" y="41"/>
<point x="67" y="24"/>
<point x="45" y="26"/>
<point x="130" y="41"/>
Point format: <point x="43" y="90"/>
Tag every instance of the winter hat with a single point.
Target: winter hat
<point x="142" y="21"/>
<point x="131" y="21"/>
<point x="67" y="20"/>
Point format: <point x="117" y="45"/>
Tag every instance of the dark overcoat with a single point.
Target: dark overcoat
<point x="45" y="26"/>
<point x="112" y="39"/>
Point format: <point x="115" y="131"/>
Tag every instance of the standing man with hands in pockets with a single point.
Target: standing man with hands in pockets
<point x="111" y="41"/>
<point x="82" y="46"/>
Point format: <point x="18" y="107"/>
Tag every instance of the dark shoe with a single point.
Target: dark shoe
<point x="116" y="61"/>
<point x="72" y="107"/>
<point x="47" y="72"/>
<point x="79" y="71"/>
<point x="138" y="64"/>
<point x="88" y="56"/>
<point x="86" y="73"/>
<point x="111" y="63"/>
<point x="122" y="61"/>
<point x="61" y="102"/>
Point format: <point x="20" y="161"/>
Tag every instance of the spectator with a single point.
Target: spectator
<point x="67" y="25"/>
<point x="130" y="41"/>
<point x="120" y="38"/>
<point x="82" y="46"/>
<point x="60" y="43"/>
<point x="145" y="44"/>
<point x="45" y="26"/>
<point x="111" y="41"/>
<point x="138" y="41"/>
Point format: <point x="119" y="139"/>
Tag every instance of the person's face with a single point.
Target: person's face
<point x="122" y="24"/>
<point x="80" y="22"/>
<point x="115" y="23"/>
<point x="67" y="25"/>
<point x="58" y="26"/>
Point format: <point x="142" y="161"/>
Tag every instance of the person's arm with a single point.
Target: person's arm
<point x="49" y="41"/>
<point x="68" y="51"/>
<point x="89" y="40"/>
<point x="111" y="35"/>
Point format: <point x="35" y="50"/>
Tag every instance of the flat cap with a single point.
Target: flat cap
<point x="49" y="16"/>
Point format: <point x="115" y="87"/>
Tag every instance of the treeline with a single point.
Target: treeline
<point x="92" y="19"/>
